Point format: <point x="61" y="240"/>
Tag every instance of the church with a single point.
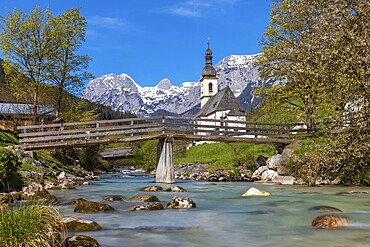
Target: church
<point x="215" y="104"/>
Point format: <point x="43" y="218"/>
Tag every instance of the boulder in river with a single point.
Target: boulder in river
<point x="76" y="201"/>
<point x="78" y="225"/>
<point x="256" y="192"/>
<point x="36" y="191"/>
<point x="181" y="202"/>
<point x="144" y="198"/>
<point x="81" y="241"/>
<point x="153" y="188"/>
<point x="176" y="189"/>
<point x="92" y="207"/>
<point x="329" y="221"/>
<point x="325" y="209"/>
<point x="149" y="206"/>
<point x="113" y="198"/>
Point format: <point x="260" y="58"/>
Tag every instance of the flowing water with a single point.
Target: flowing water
<point x="222" y="217"/>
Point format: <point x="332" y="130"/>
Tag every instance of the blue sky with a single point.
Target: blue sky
<point x="154" y="39"/>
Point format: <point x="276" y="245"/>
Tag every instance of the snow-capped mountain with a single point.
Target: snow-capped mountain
<point x="122" y="93"/>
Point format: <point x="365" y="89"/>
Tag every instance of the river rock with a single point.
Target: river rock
<point x="66" y="185"/>
<point x="65" y="176"/>
<point x="329" y="221"/>
<point x="36" y="191"/>
<point x="153" y="188"/>
<point x="354" y="193"/>
<point x="16" y="195"/>
<point x="5" y="198"/>
<point x="261" y="161"/>
<point x="113" y="198"/>
<point x="274" y="161"/>
<point x="257" y="173"/>
<point x="75" y="201"/>
<point x="79" y="225"/>
<point x="268" y="175"/>
<point x="283" y="179"/>
<point x="149" y="206"/>
<point x="176" y="189"/>
<point x="81" y="241"/>
<point x="181" y="202"/>
<point x="144" y="198"/>
<point x="325" y="209"/>
<point x="256" y="192"/>
<point x="92" y="207"/>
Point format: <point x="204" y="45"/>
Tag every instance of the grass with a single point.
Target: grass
<point x="31" y="225"/>
<point x="7" y="139"/>
<point x="226" y="155"/>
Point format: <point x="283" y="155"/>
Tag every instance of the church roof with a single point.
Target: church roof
<point x="224" y="100"/>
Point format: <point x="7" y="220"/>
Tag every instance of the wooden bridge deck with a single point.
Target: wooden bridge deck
<point x="148" y="128"/>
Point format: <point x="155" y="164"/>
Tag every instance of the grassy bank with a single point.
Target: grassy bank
<point x="225" y="155"/>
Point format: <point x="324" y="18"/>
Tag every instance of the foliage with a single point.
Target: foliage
<point x="321" y="50"/>
<point x="25" y="40"/>
<point x="146" y="156"/>
<point x="69" y="69"/>
<point x="31" y="225"/>
<point x="41" y="48"/>
<point x="9" y="178"/>
<point x="7" y="139"/>
<point x="224" y="155"/>
<point x="88" y="157"/>
<point x="74" y="110"/>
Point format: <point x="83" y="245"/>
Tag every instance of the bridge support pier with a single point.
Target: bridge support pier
<point x="165" y="164"/>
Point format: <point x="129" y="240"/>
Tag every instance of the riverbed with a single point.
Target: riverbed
<point x="223" y="217"/>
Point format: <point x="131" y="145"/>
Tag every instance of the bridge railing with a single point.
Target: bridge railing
<point x="133" y="129"/>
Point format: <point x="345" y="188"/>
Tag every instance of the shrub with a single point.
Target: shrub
<point x="9" y="178"/>
<point x="146" y="157"/>
<point x="31" y="225"/>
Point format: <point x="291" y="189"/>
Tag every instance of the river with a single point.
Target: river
<point x="222" y="217"/>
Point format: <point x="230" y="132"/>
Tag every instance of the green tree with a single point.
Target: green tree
<point x="42" y="49"/>
<point x="68" y="69"/>
<point x="26" y="40"/>
<point x="322" y="51"/>
<point x="292" y="54"/>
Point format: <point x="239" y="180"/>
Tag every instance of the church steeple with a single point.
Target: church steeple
<point x="208" y="82"/>
<point x="208" y="70"/>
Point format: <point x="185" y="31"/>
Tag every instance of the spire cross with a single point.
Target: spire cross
<point x="208" y="42"/>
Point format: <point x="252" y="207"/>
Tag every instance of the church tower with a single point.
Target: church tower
<point x="208" y="82"/>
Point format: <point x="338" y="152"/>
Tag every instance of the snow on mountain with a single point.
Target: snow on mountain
<point x="122" y="93"/>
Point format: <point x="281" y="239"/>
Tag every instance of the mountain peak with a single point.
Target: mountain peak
<point x="164" y="84"/>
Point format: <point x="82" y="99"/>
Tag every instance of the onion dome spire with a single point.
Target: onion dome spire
<point x="208" y="70"/>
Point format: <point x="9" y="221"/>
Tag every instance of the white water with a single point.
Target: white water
<point x="222" y="217"/>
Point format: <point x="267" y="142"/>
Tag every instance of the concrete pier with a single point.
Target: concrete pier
<point x="165" y="164"/>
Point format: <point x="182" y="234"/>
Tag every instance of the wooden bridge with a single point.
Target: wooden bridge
<point x="164" y="129"/>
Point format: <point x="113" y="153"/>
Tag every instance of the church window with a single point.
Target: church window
<point x="210" y="87"/>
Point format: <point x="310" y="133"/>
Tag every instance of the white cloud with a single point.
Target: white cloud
<point x="185" y="12"/>
<point x="107" y="22"/>
<point x="196" y="8"/>
<point x="198" y="3"/>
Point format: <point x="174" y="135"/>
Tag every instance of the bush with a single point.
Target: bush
<point x="146" y="157"/>
<point x="31" y="225"/>
<point x="9" y="178"/>
<point x="88" y="157"/>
